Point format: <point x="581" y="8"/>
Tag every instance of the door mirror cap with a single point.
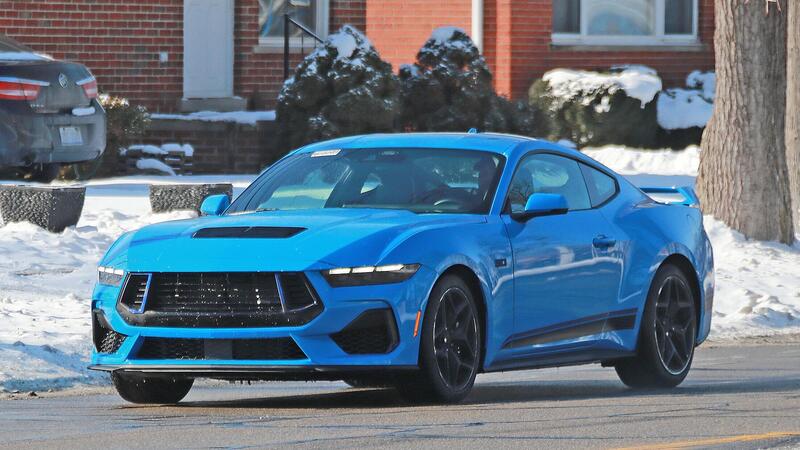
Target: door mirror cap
<point x="214" y="205"/>
<point x="542" y="205"/>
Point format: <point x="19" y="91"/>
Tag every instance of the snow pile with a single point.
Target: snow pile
<point x="154" y="164"/>
<point x="705" y="81"/>
<point x="347" y="43"/>
<point x="164" y="149"/>
<point x="757" y="283"/>
<point x="240" y="117"/>
<point x="639" y="82"/>
<point x="626" y="161"/>
<point x="45" y="298"/>
<point x="686" y="108"/>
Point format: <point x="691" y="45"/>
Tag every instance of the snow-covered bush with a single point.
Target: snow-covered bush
<point x="592" y="108"/>
<point x="449" y="88"/>
<point x="341" y="88"/>
<point x="683" y="113"/>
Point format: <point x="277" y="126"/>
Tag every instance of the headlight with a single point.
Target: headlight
<point x="110" y="276"/>
<point x="366" y="275"/>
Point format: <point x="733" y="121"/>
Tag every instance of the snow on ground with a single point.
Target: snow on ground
<point x="757" y="283"/>
<point x="46" y="282"/>
<point x="46" y="279"/>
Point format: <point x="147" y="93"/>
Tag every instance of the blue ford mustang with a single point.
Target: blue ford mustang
<point x="410" y="260"/>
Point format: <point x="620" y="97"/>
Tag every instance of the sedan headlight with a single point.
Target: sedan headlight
<point x="366" y="275"/>
<point x="110" y="276"/>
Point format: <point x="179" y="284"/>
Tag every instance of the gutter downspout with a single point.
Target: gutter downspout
<point x="477" y="24"/>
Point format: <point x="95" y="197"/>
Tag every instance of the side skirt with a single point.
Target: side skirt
<point x="574" y="358"/>
<point x="586" y="326"/>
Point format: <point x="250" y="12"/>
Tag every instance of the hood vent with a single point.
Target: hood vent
<point x="248" y="232"/>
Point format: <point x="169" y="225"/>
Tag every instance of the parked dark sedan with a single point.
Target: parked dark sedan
<point x="49" y="113"/>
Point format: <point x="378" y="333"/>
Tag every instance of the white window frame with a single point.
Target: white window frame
<point x="321" y="28"/>
<point x="659" y="38"/>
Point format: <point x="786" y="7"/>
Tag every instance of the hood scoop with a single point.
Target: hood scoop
<point x="248" y="232"/>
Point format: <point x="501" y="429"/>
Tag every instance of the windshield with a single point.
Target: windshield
<point x="418" y="180"/>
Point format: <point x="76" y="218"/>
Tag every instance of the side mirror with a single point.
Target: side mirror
<point x="214" y="205"/>
<point x="542" y="205"/>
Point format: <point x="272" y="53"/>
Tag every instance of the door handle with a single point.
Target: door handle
<point x="603" y="241"/>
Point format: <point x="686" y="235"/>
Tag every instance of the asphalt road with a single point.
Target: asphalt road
<point x="735" y="397"/>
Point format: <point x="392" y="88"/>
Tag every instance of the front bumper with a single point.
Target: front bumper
<point x="322" y="357"/>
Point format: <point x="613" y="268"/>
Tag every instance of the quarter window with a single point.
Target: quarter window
<point x="548" y="174"/>
<point x="601" y="186"/>
<point x="624" y="22"/>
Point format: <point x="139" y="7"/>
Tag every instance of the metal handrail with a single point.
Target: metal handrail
<point x="287" y="20"/>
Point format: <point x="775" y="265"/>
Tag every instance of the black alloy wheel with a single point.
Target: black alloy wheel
<point x="674" y="325"/>
<point x="667" y="335"/>
<point x="450" y="346"/>
<point x="455" y="338"/>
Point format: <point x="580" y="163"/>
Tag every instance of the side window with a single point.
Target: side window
<point x="601" y="186"/>
<point x="548" y="174"/>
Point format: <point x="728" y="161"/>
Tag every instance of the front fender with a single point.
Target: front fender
<point x="482" y="248"/>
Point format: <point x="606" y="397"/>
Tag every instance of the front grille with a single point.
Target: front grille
<point x="221" y="349"/>
<point x="218" y="299"/>
<point x="249" y="293"/>
<point x="372" y="332"/>
<point x="105" y="339"/>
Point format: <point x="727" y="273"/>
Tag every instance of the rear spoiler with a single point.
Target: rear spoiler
<point x="688" y="194"/>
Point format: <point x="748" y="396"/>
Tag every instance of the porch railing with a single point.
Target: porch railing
<point x="288" y="22"/>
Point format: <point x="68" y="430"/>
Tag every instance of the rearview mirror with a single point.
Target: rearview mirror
<point x="542" y="205"/>
<point x="214" y="205"/>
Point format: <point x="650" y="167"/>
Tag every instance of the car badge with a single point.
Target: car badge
<point x="62" y="80"/>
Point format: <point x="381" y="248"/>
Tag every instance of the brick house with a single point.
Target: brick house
<point x="229" y="52"/>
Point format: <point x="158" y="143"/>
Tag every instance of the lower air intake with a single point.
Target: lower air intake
<point x="105" y="339"/>
<point x="221" y="349"/>
<point x="372" y="332"/>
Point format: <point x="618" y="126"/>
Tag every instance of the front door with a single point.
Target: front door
<point x="207" y="48"/>
<point x="566" y="278"/>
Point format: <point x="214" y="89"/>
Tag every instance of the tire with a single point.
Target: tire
<point x="151" y="390"/>
<point x="450" y="329"/>
<point x="666" y="343"/>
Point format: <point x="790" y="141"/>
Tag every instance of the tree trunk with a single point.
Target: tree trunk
<point x="743" y="179"/>
<point x="793" y="105"/>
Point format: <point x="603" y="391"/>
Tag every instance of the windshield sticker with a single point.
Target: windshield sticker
<point x="325" y="153"/>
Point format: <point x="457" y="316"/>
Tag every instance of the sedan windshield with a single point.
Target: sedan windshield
<point x="418" y="180"/>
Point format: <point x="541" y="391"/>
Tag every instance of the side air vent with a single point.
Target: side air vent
<point x="248" y="232"/>
<point x="297" y="293"/>
<point x="135" y="292"/>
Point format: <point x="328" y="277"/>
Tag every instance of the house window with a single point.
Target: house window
<point x="624" y="22"/>
<point x="314" y="16"/>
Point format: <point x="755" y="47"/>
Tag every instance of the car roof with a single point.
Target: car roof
<point x="491" y="142"/>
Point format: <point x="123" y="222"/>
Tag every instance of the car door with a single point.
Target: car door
<point x="566" y="276"/>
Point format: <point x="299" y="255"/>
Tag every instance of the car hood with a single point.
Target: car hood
<point x="331" y="238"/>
